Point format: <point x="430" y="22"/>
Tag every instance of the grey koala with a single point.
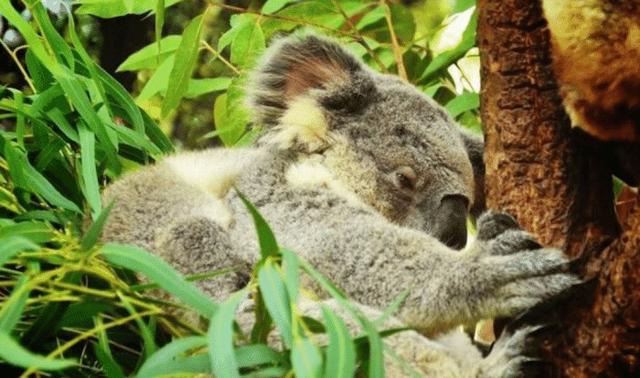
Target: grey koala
<point x="366" y="178"/>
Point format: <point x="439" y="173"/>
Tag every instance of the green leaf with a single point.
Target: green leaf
<point x="158" y="271"/>
<point x="147" y="335"/>
<point x="40" y="76"/>
<point x="306" y="358"/>
<point x="152" y="55"/>
<point x="228" y="128"/>
<point x="376" y="347"/>
<point x="220" y="336"/>
<point x="116" y="8"/>
<point x="88" y="168"/>
<point x="249" y="42"/>
<point x="90" y="238"/>
<point x="276" y="299"/>
<point x="198" y="87"/>
<point x="29" y="178"/>
<point x="117" y="94"/>
<point x="169" y="356"/>
<point x="50" y="152"/>
<point x="248" y="138"/>
<point x="341" y="352"/>
<point x="272" y="6"/>
<point x="51" y="317"/>
<point x="257" y="354"/>
<point x="184" y="63"/>
<point x="291" y="274"/>
<point x="449" y="57"/>
<point x="57" y="43"/>
<point x="371" y="17"/>
<point x="13" y="306"/>
<point x="462" y="103"/>
<point x="266" y="238"/>
<point x="29" y="34"/>
<point x="136" y="140"/>
<point x="20" y="124"/>
<point x="313" y="13"/>
<point x="462" y="5"/>
<point x="35" y="232"/>
<point x="78" y="97"/>
<point x="156" y="135"/>
<point x="159" y="23"/>
<point x="103" y="352"/>
<point x="392" y="308"/>
<point x="16" y="355"/>
<point x="63" y="124"/>
<point x="158" y="82"/>
<point x="403" y="23"/>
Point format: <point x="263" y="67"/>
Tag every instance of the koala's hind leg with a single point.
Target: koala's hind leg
<point x="199" y="245"/>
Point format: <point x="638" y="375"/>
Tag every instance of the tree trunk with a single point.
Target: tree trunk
<point x="557" y="183"/>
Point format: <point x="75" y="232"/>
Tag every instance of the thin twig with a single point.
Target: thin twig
<point x="397" y="50"/>
<point x="20" y="67"/>
<point x="88" y="333"/>
<point x="216" y="54"/>
<point x="359" y="37"/>
<point x="278" y="17"/>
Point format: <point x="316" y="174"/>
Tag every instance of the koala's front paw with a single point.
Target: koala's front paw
<point x="508" y="356"/>
<point x="500" y="234"/>
<point x="521" y="272"/>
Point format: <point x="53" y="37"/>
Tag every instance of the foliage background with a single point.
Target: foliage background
<point x="72" y="306"/>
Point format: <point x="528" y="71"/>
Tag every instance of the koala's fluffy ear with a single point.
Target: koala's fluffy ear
<point x="474" y="145"/>
<point x="300" y="76"/>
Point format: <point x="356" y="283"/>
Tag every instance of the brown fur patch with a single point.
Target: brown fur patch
<point x="312" y="73"/>
<point x="596" y="51"/>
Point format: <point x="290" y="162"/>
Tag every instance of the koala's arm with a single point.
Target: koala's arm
<point x="374" y="261"/>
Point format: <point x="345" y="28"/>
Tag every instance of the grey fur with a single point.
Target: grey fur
<point x="360" y="227"/>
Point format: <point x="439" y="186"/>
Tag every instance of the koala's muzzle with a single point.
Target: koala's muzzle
<point x="451" y="221"/>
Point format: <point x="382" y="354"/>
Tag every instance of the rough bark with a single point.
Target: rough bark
<point x="557" y="183"/>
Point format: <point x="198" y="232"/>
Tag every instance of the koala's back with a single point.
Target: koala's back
<point x="185" y="186"/>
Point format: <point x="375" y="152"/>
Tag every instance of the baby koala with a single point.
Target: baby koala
<point x="367" y="179"/>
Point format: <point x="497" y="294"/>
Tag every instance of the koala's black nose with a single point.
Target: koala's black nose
<point x="451" y="221"/>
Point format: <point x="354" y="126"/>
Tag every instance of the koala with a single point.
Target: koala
<point x="366" y="178"/>
<point x="596" y="49"/>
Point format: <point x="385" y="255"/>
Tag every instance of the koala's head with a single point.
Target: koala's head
<point x="370" y="137"/>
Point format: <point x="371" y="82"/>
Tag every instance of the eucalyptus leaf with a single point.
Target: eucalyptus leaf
<point x="14" y="354"/>
<point x="185" y="61"/>
<point x="158" y="271"/>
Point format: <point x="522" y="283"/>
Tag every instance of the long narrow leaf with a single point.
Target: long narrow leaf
<point x="185" y="61"/>
<point x="89" y="173"/>
<point x="158" y="271"/>
<point x="266" y="238"/>
<point x="12" y="245"/>
<point x="376" y="347"/>
<point x="15" y="354"/>
<point x="28" y="177"/>
<point x="12" y="308"/>
<point x="168" y="355"/>
<point x="220" y="335"/>
<point x="151" y="55"/>
<point x="341" y="352"/>
<point x="90" y="238"/>
<point x="276" y="298"/>
<point x="306" y="358"/>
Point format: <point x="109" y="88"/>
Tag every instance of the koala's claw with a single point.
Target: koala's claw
<point x="508" y="356"/>
<point x="492" y="223"/>
<point x="523" y="273"/>
<point x="511" y="241"/>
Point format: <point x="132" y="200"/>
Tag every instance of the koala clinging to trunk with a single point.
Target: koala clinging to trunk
<point x="360" y="174"/>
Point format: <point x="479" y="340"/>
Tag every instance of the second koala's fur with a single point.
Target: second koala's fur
<point x="360" y="174"/>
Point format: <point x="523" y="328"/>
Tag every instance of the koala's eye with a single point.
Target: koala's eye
<point x="406" y="178"/>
